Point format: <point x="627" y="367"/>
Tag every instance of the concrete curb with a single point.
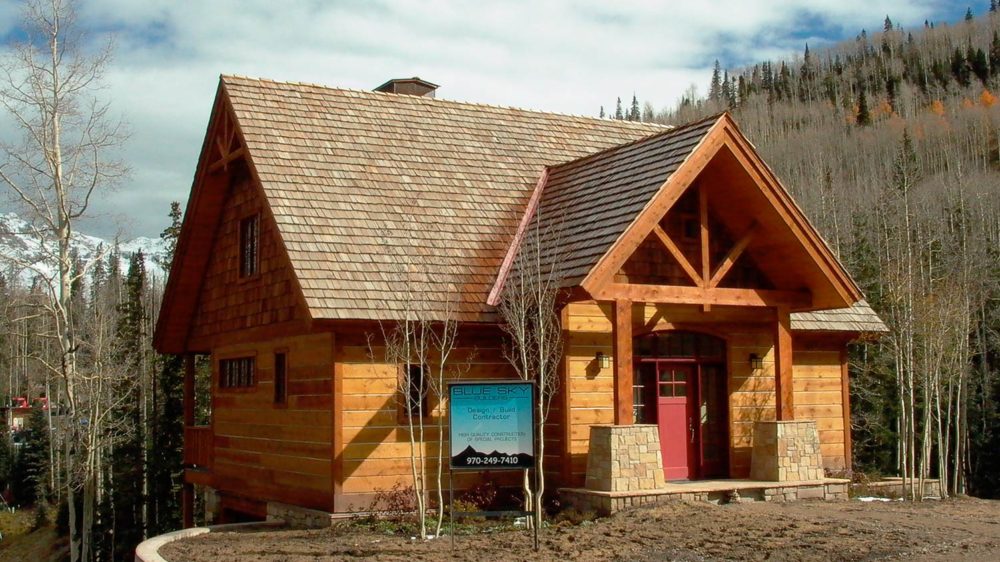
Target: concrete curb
<point x="148" y="550"/>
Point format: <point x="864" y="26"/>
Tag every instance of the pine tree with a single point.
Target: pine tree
<point x="715" y="88"/>
<point x="993" y="6"/>
<point x="618" y="110"/>
<point x="864" y="114"/>
<point x="31" y="468"/>
<point x="960" y="67"/>
<point x="127" y="455"/>
<point x="601" y="114"/>
<point x="968" y="14"/>
<point x="634" y="113"/>
<point x="995" y="55"/>
<point x="166" y="444"/>
<point x="980" y="64"/>
<point x="6" y="457"/>
<point x="887" y="25"/>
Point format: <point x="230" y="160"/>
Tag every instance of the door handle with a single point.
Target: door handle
<point x="691" y="428"/>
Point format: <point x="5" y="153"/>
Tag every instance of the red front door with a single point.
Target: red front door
<point x="675" y="390"/>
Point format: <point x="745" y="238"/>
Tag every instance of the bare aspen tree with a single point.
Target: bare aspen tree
<point x="48" y="86"/>
<point x="530" y="316"/>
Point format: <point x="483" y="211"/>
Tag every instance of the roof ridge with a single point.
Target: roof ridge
<point x="665" y="133"/>
<point x="421" y="99"/>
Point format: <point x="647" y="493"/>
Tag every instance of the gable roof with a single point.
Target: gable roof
<point x="363" y="185"/>
<point x="595" y="211"/>
<point x="380" y="196"/>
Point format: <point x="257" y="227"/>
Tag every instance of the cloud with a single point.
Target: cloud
<point x="570" y="57"/>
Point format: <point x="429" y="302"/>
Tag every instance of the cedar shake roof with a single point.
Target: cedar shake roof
<point x="383" y="201"/>
<point x="858" y="318"/>
<point x="594" y="201"/>
<point x="376" y="195"/>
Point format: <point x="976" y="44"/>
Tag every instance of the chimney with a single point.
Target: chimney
<point x="408" y="86"/>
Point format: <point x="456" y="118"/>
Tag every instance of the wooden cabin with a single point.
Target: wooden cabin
<point x="698" y="295"/>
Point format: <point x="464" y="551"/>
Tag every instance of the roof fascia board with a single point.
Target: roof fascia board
<point x="668" y="193"/>
<point x="515" y="245"/>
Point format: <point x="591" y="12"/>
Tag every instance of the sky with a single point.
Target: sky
<point x="560" y="56"/>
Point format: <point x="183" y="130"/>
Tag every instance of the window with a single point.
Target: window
<point x="249" y="245"/>
<point x="236" y="373"/>
<point x="280" y="379"/>
<point x="416" y="394"/>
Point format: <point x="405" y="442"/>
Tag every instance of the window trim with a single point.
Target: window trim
<point x="254" y="373"/>
<point x="243" y="265"/>
<point x="283" y="403"/>
<point x="402" y="414"/>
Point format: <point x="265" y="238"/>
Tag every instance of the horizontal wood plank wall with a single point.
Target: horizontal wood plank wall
<point x="376" y="439"/>
<point x="271" y="452"/>
<point x="752" y="395"/>
<point x="229" y="305"/>
<point x="592" y="391"/>
<point x="819" y="396"/>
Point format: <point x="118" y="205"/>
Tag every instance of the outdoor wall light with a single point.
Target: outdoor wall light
<point x="603" y="360"/>
<point x="756" y="361"/>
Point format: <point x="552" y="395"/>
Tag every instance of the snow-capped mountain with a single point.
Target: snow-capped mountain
<point x="18" y="246"/>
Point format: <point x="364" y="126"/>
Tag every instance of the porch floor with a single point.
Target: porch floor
<point x="714" y="491"/>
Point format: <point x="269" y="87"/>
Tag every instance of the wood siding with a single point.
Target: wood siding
<point x="375" y="437"/>
<point x="229" y="305"/>
<point x="816" y="376"/>
<point x="277" y="452"/>
<point x="819" y="396"/>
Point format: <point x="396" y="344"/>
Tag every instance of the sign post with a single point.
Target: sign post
<point x="491" y="426"/>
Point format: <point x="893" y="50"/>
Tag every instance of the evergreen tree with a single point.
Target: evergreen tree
<point x="864" y="114"/>
<point x="31" y="468"/>
<point x="127" y="455"/>
<point x="995" y="55"/>
<point x="6" y="457"/>
<point x="634" y="113"/>
<point x="715" y="88"/>
<point x="887" y="25"/>
<point x="165" y="465"/>
<point x="980" y="64"/>
<point x="993" y="6"/>
<point x="618" y="110"/>
<point x="601" y="114"/>
<point x="173" y="232"/>
<point x="968" y="14"/>
<point x="960" y="67"/>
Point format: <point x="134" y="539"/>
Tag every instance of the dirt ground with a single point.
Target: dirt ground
<point x="963" y="530"/>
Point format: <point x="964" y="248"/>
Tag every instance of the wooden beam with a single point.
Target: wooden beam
<point x="673" y="294"/>
<point x="189" y="390"/>
<point x="678" y="255"/>
<point x="566" y="454"/>
<point x="337" y="442"/>
<point x="845" y="390"/>
<point x="706" y="263"/>
<point x="734" y="253"/>
<point x="187" y="505"/>
<point x="668" y="194"/>
<point x="622" y="325"/>
<point x="223" y="162"/>
<point x="783" y="365"/>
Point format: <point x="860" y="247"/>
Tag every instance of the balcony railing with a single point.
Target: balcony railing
<point x="198" y="446"/>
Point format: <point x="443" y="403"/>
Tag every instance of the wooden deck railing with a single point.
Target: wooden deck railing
<point x="198" y="446"/>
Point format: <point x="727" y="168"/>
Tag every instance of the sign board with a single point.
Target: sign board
<point x="492" y="424"/>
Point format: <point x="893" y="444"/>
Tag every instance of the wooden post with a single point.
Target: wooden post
<point x="189" y="390"/>
<point x="845" y="390"/>
<point x="187" y="489"/>
<point x="622" y="319"/>
<point x="783" y="365"/>
<point x="187" y="505"/>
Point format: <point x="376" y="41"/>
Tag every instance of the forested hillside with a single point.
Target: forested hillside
<point x="890" y="143"/>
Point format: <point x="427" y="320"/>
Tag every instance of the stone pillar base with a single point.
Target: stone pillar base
<point x="624" y="458"/>
<point x="786" y="451"/>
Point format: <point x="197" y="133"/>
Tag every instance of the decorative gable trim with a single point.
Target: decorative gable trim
<point x="515" y="244"/>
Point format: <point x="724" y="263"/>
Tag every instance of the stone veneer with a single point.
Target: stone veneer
<point x="786" y="451"/>
<point x="624" y="458"/>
